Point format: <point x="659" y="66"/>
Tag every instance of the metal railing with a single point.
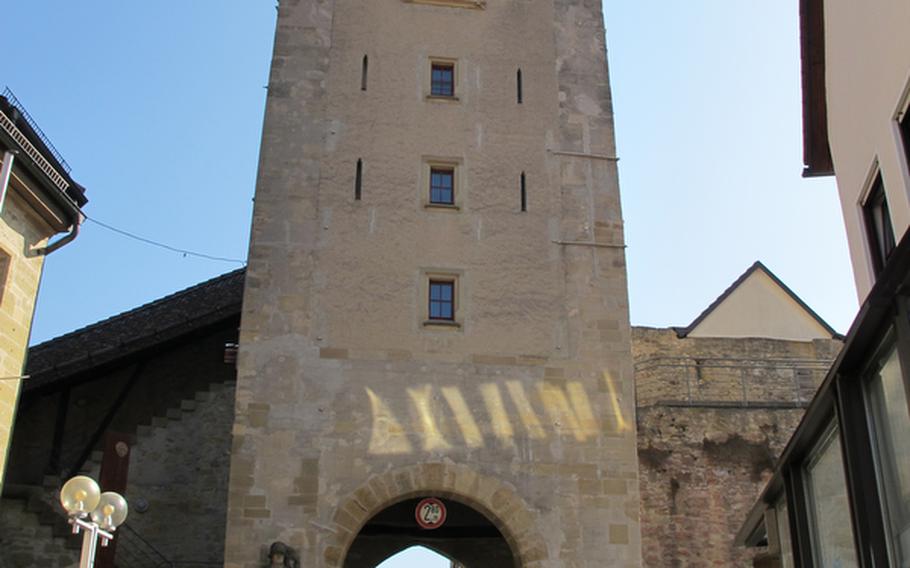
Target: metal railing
<point x="15" y="102"/>
<point x="133" y="551"/>
<point x="695" y="381"/>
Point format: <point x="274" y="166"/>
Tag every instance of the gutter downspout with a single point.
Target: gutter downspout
<point x="5" y="173"/>
<point x="62" y="242"/>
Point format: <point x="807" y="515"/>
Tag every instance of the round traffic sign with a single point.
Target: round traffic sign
<point x="430" y="513"/>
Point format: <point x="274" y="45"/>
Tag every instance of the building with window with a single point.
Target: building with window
<point x="38" y="199"/>
<point x="435" y="303"/>
<point x="716" y="401"/>
<point x="840" y="495"/>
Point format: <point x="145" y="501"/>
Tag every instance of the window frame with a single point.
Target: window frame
<point x="902" y="131"/>
<point x="824" y="443"/>
<point x="903" y="128"/>
<point x="441" y="284"/>
<point x="425" y="186"/>
<point x="442" y="63"/>
<point x="880" y="239"/>
<point x="449" y="172"/>
<point x="896" y="338"/>
<point x="430" y="276"/>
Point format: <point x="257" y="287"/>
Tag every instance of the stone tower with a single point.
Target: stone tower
<point x="436" y="299"/>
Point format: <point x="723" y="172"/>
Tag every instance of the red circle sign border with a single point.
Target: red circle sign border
<point x="427" y="526"/>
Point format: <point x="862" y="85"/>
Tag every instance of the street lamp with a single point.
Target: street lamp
<point x="99" y="514"/>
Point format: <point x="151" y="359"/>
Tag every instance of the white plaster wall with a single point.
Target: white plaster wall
<point x="760" y="308"/>
<point x="868" y="69"/>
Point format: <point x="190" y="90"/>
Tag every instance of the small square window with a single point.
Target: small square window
<point x="442" y="300"/>
<point x="442" y="81"/>
<point x="878" y="224"/>
<point x="442" y="186"/>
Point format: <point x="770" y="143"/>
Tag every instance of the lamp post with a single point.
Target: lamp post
<point x="98" y="514"/>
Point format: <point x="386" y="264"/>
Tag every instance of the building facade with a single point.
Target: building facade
<point x="436" y="299"/>
<point x="856" y="98"/>
<point x="840" y="495"/>
<point x="715" y="403"/>
<point x="38" y="199"/>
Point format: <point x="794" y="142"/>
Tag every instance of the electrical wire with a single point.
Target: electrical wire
<point x="154" y="243"/>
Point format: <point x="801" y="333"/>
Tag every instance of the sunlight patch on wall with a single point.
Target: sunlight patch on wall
<point x="444" y="418"/>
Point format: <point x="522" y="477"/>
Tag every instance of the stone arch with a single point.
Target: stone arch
<point x="496" y="500"/>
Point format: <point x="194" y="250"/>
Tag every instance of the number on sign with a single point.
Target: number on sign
<point x="430" y="513"/>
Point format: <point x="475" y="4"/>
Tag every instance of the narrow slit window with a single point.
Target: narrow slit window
<point x="442" y="80"/>
<point x="524" y="192"/>
<point x="364" y="73"/>
<point x="442" y="186"/>
<point x="358" y="181"/>
<point x="520" y="88"/>
<point x="442" y="300"/>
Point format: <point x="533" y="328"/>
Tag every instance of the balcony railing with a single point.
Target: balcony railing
<point x="15" y="102"/>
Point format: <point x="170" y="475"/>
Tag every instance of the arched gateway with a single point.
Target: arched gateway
<point x="435" y="302"/>
<point x="485" y="522"/>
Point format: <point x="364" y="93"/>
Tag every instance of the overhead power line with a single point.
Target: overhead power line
<point x="184" y="252"/>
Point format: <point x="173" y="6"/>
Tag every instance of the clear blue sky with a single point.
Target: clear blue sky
<point x="158" y="108"/>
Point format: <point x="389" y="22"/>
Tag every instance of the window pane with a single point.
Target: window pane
<point x="441" y="184"/>
<point x="783" y="531"/>
<point x="832" y="529"/>
<point x="442" y="305"/>
<point x="442" y="81"/>
<point x="890" y="427"/>
<point x="905" y="134"/>
<point x="879" y="230"/>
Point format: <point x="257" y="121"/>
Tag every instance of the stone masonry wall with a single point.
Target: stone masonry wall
<point x="701" y="467"/>
<point x="179" y="466"/>
<point x="715" y="415"/>
<point x="26" y="543"/>
<point x="20" y="274"/>
<point x="348" y="398"/>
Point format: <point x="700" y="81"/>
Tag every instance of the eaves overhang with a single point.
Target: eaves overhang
<point x="816" y="147"/>
<point x="53" y="187"/>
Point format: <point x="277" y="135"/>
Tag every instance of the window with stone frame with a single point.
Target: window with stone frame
<point x="440" y="295"/>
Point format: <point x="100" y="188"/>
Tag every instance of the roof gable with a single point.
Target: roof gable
<point x="758" y="304"/>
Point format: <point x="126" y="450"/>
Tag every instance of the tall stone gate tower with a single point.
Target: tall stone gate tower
<point x="436" y="299"/>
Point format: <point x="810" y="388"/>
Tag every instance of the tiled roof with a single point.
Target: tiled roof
<point x="127" y="333"/>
